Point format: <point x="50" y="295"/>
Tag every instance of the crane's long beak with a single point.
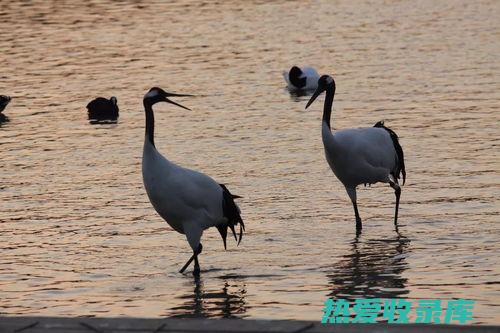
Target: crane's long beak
<point x="314" y="96"/>
<point x="177" y="95"/>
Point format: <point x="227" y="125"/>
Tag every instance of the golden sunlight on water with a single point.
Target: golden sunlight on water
<point x="80" y="237"/>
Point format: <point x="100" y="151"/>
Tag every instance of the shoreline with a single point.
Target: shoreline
<point x="142" y="325"/>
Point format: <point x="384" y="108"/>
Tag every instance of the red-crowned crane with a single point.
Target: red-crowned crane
<point x="189" y="201"/>
<point x="360" y="155"/>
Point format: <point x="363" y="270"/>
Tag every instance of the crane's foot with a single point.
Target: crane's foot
<point x="187" y="264"/>
<point x="193" y="257"/>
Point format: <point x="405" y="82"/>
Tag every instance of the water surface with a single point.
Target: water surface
<point x="79" y="236"/>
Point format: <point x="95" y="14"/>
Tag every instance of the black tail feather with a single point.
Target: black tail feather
<point x="223" y="233"/>
<point x="232" y="214"/>
<point x="399" y="151"/>
<point x="234" y="232"/>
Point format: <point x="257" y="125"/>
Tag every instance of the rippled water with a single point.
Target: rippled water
<point x="79" y="236"/>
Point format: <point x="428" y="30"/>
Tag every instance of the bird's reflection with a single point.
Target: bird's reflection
<point x="295" y="95"/>
<point x="372" y="269"/>
<point x="227" y="302"/>
<point x="103" y="122"/>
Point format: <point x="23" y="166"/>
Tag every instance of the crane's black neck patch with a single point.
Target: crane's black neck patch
<point x="327" y="108"/>
<point x="150" y="123"/>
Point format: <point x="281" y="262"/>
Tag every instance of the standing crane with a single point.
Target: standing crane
<point x="360" y="155"/>
<point x="189" y="201"/>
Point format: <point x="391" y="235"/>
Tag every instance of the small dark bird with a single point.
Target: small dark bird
<point x="103" y="110"/>
<point x="4" y="100"/>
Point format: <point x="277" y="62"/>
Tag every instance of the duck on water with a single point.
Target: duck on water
<point x="103" y="110"/>
<point x="301" y="79"/>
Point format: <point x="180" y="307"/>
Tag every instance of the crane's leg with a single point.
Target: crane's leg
<point x="397" y="191"/>
<point x="196" y="270"/>
<point x="196" y="263"/>
<point x="351" y="191"/>
<point x="193" y="233"/>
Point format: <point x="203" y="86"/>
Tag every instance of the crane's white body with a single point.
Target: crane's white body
<point x="359" y="155"/>
<point x="309" y="73"/>
<point x="187" y="200"/>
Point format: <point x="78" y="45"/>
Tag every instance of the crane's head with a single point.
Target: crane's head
<point x="324" y="82"/>
<point x="155" y="95"/>
<point x="114" y="100"/>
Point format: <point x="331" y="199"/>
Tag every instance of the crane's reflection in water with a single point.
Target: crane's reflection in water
<point x="372" y="269"/>
<point x="226" y="301"/>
